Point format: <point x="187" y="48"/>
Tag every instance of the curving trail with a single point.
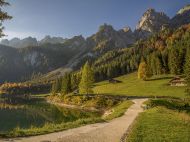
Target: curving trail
<point x="99" y="132"/>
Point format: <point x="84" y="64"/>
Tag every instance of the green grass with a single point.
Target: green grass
<point x="160" y="124"/>
<point x="132" y="86"/>
<point x="174" y="104"/>
<point x="50" y="127"/>
<point x="119" y="110"/>
<point x="40" y="95"/>
<point x="23" y="120"/>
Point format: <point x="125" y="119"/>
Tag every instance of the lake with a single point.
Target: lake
<point x="38" y="114"/>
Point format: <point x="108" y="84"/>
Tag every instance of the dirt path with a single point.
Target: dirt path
<point x="99" y="132"/>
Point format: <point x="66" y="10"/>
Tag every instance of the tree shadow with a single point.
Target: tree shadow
<point x="159" y="78"/>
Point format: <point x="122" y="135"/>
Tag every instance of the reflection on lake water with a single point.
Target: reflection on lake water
<point x="39" y="114"/>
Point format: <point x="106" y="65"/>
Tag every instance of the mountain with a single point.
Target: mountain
<point x="53" y="40"/>
<point x="20" y="43"/>
<point x="29" y="41"/>
<point x="182" y="17"/>
<point x="12" y="66"/>
<point x="53" y="56"/>
<point x="107" y="38"/>
<point x="36" y="59"/>
<point x="151" y="22"/>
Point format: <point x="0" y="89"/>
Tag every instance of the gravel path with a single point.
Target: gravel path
<point x="99" y="132"/>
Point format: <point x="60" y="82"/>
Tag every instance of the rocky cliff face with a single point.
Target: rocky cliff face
<point x="182" y="17"/>
<point x="107" y="38"/>
<point x="151" y="22"/>
<point x="58" y="53"/>
<point x="52" y="40"/>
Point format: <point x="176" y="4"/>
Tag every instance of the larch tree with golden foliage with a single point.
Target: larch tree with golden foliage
<point x="87" y="80"/>
<point x="142" y="70"/>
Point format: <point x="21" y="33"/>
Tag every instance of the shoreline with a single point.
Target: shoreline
<point x="93" y="109"/>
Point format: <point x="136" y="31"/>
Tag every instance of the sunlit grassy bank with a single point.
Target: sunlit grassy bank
<point x="132" y="86"/>
<point x="166" y="120"/>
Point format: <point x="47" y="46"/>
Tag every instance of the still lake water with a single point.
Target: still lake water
<point x="39" y="114"/>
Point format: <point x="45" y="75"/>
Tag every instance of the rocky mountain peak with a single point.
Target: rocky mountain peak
<point x="152" y="21"/>
<point x="52" y="40"/>
<point x="127" y="30"/>
<point x="184" y="9"/>
<point x="105" y="28"/>
<point x="182" y="17"/>
<point x="20" y="43"/>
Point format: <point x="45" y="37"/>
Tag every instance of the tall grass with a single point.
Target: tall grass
<point x="50" y="127"/>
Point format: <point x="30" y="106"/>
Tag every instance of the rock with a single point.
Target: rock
<point x="52" y="40"/>
<point x="182" y="17"/>
<point x="151" y="22"/>
<point x="20" y="43"/>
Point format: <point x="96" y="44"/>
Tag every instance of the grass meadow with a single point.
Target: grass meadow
<point x="132" y="86"/>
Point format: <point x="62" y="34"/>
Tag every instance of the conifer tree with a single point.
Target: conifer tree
<point x="158" y="66"/>
<point x="142" y="70"/>
<point x="187" y="70"/>
<point x="87" y="80"/>
<point x="149" y="70"/>
<point x="55" y="87"/>
<point x="3" y="16"/>
<point x="174" y="61"/>
<point x="66" y="84"/>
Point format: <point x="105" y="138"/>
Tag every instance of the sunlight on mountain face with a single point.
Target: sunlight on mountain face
<point x="58" y="71"/>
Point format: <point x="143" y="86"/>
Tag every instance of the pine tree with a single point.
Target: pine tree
<point x="187" y="70"/>
<point x="87" y="80"/>
<point x="149" y="70"/>
<point x="174" y="61"/>
<point x="153" y="64"/>
<point x="66" y="84"/>
<point x="55" y="87"/>
<point x="142" y="70"/>
<point x="158" y="66"/>
<point x="3" y="16"/>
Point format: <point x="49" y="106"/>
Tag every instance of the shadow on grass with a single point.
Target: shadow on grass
<point x="160" y="78"/>
<point x="174" y="104"/>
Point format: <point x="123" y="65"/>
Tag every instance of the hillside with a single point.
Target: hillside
<point x="52" y="56"/>
<point x="131" y="86"/>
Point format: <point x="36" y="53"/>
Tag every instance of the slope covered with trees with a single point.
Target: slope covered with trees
<point x="163" y="53"/>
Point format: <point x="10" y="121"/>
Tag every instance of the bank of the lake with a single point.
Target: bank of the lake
<point x="40" y="117"/>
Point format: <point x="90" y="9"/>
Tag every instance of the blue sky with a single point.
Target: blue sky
<point x="67" y="18"/>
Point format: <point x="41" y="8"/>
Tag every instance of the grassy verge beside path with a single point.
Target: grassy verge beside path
<point x="167" y="120"/>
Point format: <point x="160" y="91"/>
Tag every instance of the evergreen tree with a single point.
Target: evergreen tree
<point x="149" y="70"/>
<point x="174" y="61"/>
<point x="153" y="64"/>
<point x="55" y="87"/>
<point x="187" y="70"/>
<point x="158" y="66"/>
<point x="66" y="84"/>
<point x="87" y="80"/>
<point x="3" y="16"/>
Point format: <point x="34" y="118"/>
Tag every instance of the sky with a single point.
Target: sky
<point x="68" y="18"/>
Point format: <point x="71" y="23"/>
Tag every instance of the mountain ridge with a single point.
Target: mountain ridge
<point x="70" y="54"/>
